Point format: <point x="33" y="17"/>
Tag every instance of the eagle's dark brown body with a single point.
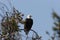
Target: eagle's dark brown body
<point x="28" y="25"/>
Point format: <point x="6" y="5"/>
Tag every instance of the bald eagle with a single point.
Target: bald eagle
<point x="28" y="24"/>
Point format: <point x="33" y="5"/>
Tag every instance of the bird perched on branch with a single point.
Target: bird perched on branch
<point x="28" y="24"/>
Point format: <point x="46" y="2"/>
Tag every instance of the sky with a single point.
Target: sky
<point x="41" y="11"/>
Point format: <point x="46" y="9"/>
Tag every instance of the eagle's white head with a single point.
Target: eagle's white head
<point x="29" y="16"/>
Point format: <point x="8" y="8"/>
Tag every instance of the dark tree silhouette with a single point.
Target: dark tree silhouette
<point x="56" y="28"/>
<point x="9" y="25"/>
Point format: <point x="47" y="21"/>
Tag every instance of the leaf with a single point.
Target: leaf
<point x="55" y="15"/>
<point x="56" y="24"/>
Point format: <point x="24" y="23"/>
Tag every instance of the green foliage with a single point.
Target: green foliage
<point x="55" y="29"/>
<point x="55" y="15"/>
